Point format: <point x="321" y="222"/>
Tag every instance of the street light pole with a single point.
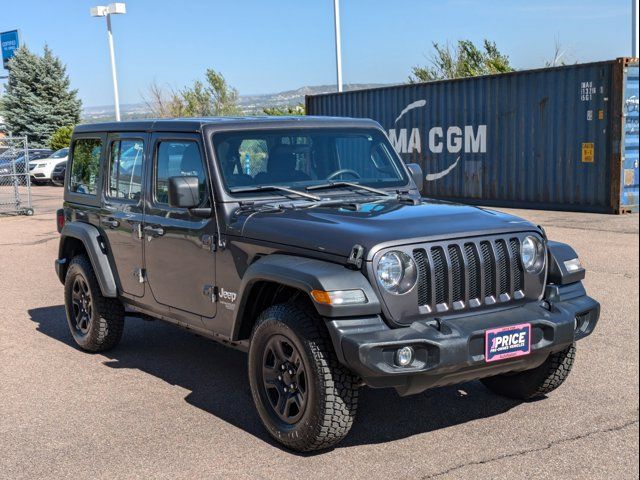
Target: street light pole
<point x="634" y="28"/>
<point x="100" y="11"/>
<point x="116" y="98"/>
<point x="336" y="18"/>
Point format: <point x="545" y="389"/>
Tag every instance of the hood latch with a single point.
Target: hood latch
<point x="354" y="260"/>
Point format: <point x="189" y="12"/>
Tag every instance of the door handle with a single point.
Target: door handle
<point x="111" y="222"/>
<point x="154" y="231"/>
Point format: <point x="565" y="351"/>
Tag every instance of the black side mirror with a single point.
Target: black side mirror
<point x="184" y="192"/>
<point x="416" y="175"/>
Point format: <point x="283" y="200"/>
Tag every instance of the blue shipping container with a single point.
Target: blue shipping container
<point x="559" y="138"/>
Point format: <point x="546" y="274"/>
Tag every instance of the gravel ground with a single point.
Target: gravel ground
<point x="168" y="404"/>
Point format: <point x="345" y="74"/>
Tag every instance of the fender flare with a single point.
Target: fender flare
<point x="89" y="235"/>
<point x="307" y="274"/>
<point x="558" y="273"/>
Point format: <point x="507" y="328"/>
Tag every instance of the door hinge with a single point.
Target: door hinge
<point x="209" y="242"/>
<point x="210" y="291"/>
<point x="140" y="274"/>
<point x="138" y="230"/>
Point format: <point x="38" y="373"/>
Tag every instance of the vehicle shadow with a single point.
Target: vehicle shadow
<point x="216" y="377"/>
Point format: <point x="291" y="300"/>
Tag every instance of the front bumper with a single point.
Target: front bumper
<point x="39" y="176"/>
<point x="451" y="350"/>
<point x="42" y="173"/>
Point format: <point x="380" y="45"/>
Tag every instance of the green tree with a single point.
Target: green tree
<point x="61" y="138"/>
<point x="282" y="111"/>
<point x="213" y="97"/>
<point x="38" y="99"/>
<point x="465" y="60"/>
<point x="223" y="96"/>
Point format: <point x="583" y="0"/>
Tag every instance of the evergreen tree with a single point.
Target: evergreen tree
<point x="38" y="98"/>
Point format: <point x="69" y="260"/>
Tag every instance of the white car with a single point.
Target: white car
<point x="40" y="170"/>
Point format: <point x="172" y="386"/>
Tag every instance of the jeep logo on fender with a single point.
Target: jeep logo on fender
<point x="438" y="139"/>
<point x="227" y="295"/>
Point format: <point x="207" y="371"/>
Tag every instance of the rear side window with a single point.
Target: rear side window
<point x="177" y="158"/>
<point x="125" y="169"/>
<point x="85" y="165"/>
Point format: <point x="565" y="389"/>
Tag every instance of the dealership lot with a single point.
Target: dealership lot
<point x="167" y="404"/>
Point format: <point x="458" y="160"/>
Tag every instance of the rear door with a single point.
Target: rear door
<point x="179" y="259"/>
<point x="121" y="216"/>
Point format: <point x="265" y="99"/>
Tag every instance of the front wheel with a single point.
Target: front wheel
<point x="536" y="382"/>
<point x="305" y="398"/>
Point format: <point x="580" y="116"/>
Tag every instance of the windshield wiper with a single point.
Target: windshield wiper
<point x="324" y="186"/>
<point x="272" y="188"/>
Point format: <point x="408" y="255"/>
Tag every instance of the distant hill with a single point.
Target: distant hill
<point x="255" y="103"/>
<point x="128" y="111"/>
<point x="249" y="104"/>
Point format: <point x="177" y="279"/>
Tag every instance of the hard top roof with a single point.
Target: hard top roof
<point x="198" y="124"/>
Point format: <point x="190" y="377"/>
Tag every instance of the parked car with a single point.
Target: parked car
<point x="42" y="168"/>
<point x="304" y="241"/>
<point x="57" y="175"/>
<point x="13" y="162"/>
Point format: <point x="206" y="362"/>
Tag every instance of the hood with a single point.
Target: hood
<point x="48" y="160"/>
<point x="336" y="229"/>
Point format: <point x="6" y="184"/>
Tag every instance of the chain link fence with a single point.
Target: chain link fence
<point x="15" y="183"/>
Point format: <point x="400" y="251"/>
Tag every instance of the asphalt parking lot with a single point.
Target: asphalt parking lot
<point x="168" y="404"/>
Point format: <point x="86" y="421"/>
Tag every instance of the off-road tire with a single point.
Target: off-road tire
<point x="332" y="389"/>
<point x="537" y="382"/>
<point x="107" y="314"/>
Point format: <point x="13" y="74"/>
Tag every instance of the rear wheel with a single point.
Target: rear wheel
<point x="305" y="398"/>
<point x="96" y="322"/>
<point x="536" y="382"/>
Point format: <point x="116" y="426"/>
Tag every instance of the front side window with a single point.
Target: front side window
<point x="125" y="169"/>
<point x="85" y="165"/>
<point x="304" y="157"/>
<point x="176" y="158"/>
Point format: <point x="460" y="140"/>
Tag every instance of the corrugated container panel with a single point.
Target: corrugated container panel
<point x="631" y="127"/>
<point x="547" y="138"/>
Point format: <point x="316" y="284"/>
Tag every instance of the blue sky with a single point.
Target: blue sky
<point x="272" y="45"/>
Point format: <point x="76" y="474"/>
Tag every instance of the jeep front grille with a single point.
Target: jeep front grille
<point x="468" y="274"/>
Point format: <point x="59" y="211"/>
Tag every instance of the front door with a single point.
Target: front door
<point x="179" y="258"/>
<point x="121" y="216"/>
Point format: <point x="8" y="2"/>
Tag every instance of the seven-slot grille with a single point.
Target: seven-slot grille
<point x="456" y="276"/>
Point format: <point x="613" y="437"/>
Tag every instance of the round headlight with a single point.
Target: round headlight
<point x="532" y="254"/>
<point x="397" y="272"/>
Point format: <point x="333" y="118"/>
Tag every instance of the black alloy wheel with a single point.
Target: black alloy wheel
<point x="82" y="305"/>
<point x="95" y="321"/>
<point x="305" y="398"/>
<point x="284" y="378"/>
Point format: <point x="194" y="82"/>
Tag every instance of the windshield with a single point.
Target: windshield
<point x="300" y="158"/>
<point x="63" y="152"/>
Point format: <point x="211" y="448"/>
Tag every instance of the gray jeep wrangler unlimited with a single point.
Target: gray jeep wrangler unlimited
<point x="305" y="242"/>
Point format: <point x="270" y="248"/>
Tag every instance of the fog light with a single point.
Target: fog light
<point x="404" y="356"/>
